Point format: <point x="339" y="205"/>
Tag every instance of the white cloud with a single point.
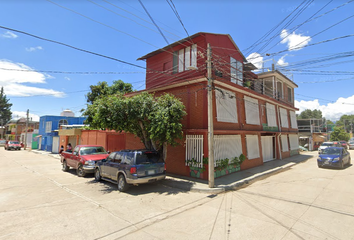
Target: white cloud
<point x="256" y="59"/>
<point x="32" y="49"/>
<point x="295" y="41"/>
<point x="18" y="114"/>
<point x="331" y="111"/>
<point x="67" y="78"/>
<point x="13" y="76"/>
<point x="8" y="34"/>
<point x="281" y="62"/>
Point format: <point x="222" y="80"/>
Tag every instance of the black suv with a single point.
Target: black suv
<point x="131" y="167"/>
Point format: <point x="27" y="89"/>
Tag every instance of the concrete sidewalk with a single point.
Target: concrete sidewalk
<point x="238" y="179"/>
<point x="229" y="182"/>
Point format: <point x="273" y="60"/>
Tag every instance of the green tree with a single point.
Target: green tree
<point x="103" y="89"/>
<point x="307" y="114"/>
<point x="5" y="108"/>
<point x="346" y="122"/>
<point x="339" y="134"/>
<point x="155" y="120"/>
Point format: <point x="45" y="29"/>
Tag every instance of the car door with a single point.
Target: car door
<point x="113" y="166"/>
<point x="346" y="156"/>
<point x="71" y="160"/>
<point x="76" y="157"/>
<point x="106" y="163"/>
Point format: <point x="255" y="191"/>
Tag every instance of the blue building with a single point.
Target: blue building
<point x="49" y="128"/>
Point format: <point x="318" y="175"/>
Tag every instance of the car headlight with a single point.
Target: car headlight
<point x="90" y="162"/>
<point x="336" y="159"/>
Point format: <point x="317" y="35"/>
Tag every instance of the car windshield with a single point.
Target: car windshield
<point x="92" y="150"/>
<point x="331" y="151"/>
<point x="13" y="142"/>
<point x="327" y="144"/>
<point x="148" y="157"/>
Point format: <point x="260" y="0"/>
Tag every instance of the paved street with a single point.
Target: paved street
<point x="39" y="201"/>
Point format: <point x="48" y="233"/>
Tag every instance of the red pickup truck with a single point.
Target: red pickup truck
<point x="83" y="158"/>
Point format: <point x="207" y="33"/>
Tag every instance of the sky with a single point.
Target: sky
<point x="310" y="41"/>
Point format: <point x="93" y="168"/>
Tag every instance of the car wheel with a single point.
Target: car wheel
<point x="80" y="171"/>
<point x="65" y="167"/>
<point x="97" y="174"/>
<point x="122" y="183"/>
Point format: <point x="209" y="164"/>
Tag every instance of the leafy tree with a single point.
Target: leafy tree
<point x="155" y="120"/>
<point x="5" y="106"/>
<point x="339" y="134"/>
<point x="103" y="89"/>
<point x="307" y="114"/>
<point x="346" y="122"/>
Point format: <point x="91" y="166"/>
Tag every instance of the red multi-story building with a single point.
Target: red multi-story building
<point x="253" y="115"/>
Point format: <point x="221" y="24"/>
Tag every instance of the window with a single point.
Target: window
<point x="280" y="90"/>
<point x="284" y="118"/>
<point x="294" y="141"/>
<point x="252" y="110"/>
<point x="48" y="127"/>
<point x="290" y="95"/>
<point x="284" y="143"/>
<point x="252" y="146"/>
<point x="227" y="146"/>
<point x="63" y="122"/>
<point x="185" y="58"/>
<point x="236" y="71"/>
<point x="271" y="115"/>
<point x="226" y="109"/>
<point x="293" y="120"/>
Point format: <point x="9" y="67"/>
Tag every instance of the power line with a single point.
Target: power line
<point x="76" y="48"/>
<point x="147" y="12"/>
<point x="174" y="9"/>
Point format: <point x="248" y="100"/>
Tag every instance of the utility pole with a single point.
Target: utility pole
<point x="210" y="120"/>
<point x="27" y="119"/>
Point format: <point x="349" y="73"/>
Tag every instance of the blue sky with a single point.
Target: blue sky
<point x="47" y="78"/>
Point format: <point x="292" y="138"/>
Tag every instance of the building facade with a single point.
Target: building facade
<point x="48" y="138"/>
<point x="253" y="115"/>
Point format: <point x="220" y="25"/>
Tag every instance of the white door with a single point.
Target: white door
<point x="55" y="146"/>
<point x="267" y="148"/>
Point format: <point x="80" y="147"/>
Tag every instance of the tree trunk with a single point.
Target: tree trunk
<point x="164" y="151"/>
<point x="147" y="141"/>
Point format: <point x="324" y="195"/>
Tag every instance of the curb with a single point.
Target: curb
<point x="187" y="185"/>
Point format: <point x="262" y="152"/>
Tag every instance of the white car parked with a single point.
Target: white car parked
<point x="328" y="144"/>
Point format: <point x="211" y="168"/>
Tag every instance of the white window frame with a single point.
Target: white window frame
<point x="271" y="115"/>
<point x="48" y="127"/>
<point x="187" y="57"/>
<point x="226" y="106"/>
<point x="281" y="90"/>
<point x="252" y="110"/>
<point x="284" y="118"/>
<point x="236" y="71"/>
<point x="252" y="143"/>
<point x="181" y="60"/>
<point x="290" y="96"/>
<point x="284" y="143"/>
<point x="293" y="120"/>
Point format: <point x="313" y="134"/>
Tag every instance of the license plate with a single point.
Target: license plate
<point x="151" y="172"/>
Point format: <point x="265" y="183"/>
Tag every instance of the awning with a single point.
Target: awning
<point x="303" y="137"/>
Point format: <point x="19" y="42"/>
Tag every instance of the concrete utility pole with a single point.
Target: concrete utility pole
<point x="210" y="120"/>
<point x="27" y="119"/>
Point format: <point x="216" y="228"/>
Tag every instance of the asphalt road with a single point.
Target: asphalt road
<point x="39" y="201"/>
